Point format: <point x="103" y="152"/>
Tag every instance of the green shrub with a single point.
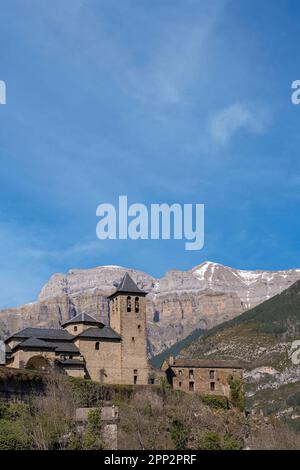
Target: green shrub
<point x="215" y="401"/>
<point x="271" y="408"/>
<point x="272" y="328"/>
<point x="293" y="424"/>
<point x="13" y="411"/>
<point x="179" y="435"/>
<point x="210" y="441"/>
<point x="231" y="443"/>
<point x="294" y="400"/>
<point x="89" y="393"/>
<point x="75" y="442"/>
<point x="92" y="438"/>
<point x="237" y="394"/>
<point x="13" y="436"/>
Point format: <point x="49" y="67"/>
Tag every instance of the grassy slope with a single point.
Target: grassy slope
<point x="279" y="315"/>
<point x="277" y="319"/>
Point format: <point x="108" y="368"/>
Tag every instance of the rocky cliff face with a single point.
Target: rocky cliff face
<point x="177" y="304"/>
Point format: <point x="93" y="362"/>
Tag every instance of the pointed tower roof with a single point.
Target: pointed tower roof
<point x="83" y="318"/>
<point x="128" y="286"/>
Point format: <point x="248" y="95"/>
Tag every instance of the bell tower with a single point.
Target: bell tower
<point x="127" y="311"/>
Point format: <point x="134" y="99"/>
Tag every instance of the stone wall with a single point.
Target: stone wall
<point x="103" y="365"/>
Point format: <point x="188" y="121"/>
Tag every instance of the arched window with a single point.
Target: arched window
<point x="97" y="346"/>
<point x="137" y="304"/>
<point x="129" y="304"/>
<point x="75" y="328"/>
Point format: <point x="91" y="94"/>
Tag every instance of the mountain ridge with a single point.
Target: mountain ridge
<point x="177" y="304"/>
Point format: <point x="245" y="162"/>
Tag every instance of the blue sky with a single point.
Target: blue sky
<point x="164" y="101"/>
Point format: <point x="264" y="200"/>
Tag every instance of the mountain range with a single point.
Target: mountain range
<point x="177" y="304"/>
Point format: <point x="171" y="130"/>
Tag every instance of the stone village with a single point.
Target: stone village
<point x="115" y="353"/>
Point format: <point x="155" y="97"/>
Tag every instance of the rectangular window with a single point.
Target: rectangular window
<point x="180" y="372"/>
<point x="191" y="374"/>
<point x="179" y="383"/>
<point x="191" y="386"/>
<point x="212" y="374"/>
<point x="212" y="386"/>
<point x="135" y="379"/>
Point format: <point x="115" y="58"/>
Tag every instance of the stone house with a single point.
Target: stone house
<point x="208" y="377"/>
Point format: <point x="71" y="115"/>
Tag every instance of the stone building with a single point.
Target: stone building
<point x="207" y="377"/>
<point x="85" y="347"/>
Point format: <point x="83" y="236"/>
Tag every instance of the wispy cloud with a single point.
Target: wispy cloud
<point x="226" y="122"/>
<point x="175" y="60"/>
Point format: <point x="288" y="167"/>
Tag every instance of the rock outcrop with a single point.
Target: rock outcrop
<point x="177" y="304"/>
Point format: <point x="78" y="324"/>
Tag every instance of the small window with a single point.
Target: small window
<point x="212" y="374"/>
<point x="191" y="373"/>
<point x="137" y="305"/>
<point x="191" y="386"/>
<point x="97" y="346"/>
<point x="180" y="372"/>
<point x="75" y="328"/>
<point x="139" y="327"/>
<point x="135" y="379"/>
<point x="132" y="339"/>
<point x="129" y="304"/>
<point x="212" y="386"/>
<point x="179" y="383"/>
<point x="135" y="371"/>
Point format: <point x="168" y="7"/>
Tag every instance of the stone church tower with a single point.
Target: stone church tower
<point x="127" y="307"/>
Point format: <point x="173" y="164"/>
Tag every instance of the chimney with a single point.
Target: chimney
<point x="2" y="353"/>
<point x="171" y="360"/>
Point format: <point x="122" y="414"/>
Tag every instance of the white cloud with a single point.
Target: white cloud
<point x="225" y="123"/>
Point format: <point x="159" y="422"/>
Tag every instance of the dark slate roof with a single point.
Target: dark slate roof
<point x="35" y="343"/>
<point x="99" y="333"/>
<point x="59" y="347"/>
<point x="83" y="318"/>
<point x="71" y="362"/>
<point x="43" y="333"/>
<point x="65" y="347"/>
<point x="128" y="286"/>
<point x="206" y="363"/>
